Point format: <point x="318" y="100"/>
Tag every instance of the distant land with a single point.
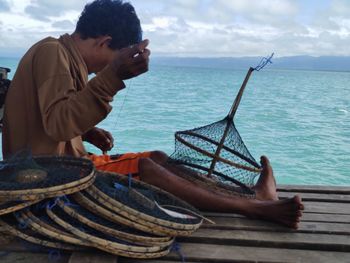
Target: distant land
<point x="323" y="63"/>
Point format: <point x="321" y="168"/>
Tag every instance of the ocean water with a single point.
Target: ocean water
<point x="299" y="119"/>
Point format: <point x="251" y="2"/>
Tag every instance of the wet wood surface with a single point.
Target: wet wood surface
<point x="323" y="236"/>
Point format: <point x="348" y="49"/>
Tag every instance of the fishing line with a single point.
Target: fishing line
<point x="123" y="103"/>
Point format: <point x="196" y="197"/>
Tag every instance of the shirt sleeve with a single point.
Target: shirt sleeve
<point x="67" y="112"/>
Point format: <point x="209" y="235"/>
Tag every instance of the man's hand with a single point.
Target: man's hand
<point x="100" y="138"/>
<point x="132" y="61"/>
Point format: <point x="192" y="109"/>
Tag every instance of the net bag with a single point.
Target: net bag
<point x="215" y="154"/>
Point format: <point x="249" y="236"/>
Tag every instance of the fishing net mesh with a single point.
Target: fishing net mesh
<point x="25" y="172"/>
<point x="143" y="198"/>
<point x="206" y="140"/>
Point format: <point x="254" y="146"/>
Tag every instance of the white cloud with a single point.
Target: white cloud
<point x="44" y="9"/>
<point x="4" y="6"/>
<point x="201" y="27"/>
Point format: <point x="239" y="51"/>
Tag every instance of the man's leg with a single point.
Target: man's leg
<point x="265" y="187"/>
<point x="267" y="206"/>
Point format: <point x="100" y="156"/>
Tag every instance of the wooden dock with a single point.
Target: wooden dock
<point x="323" y="236"/>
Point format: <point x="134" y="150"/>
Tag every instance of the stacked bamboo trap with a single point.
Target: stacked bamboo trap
<point x="63" y="203"/>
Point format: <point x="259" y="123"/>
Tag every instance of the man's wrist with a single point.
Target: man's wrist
<point x="110" y="77"/>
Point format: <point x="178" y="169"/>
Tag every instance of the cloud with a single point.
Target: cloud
<point x="64" y="24"/>
<point x="4" y="6"/>
<point x="202" y="27"/>
<point x="46" y="9"/>
<point x="240" y="28"/>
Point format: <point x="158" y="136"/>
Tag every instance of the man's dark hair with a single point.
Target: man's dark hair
<point x="112" y="18"/>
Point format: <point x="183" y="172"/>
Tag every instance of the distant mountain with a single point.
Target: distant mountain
<point x="327" y="63"/>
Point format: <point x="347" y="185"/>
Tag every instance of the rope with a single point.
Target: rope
<point x="22" y="224"/>
<point x="263" y="62"/>
<point x="67" y="202"/>
<point x="176" y="247"/>
<point x="129" y="180"/>
<point x="51" y="204"/>
<point x="54" y="255"/>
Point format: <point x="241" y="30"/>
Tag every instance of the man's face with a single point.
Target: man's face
<point x="100" y="54"/>
<point x="102" y="58"/>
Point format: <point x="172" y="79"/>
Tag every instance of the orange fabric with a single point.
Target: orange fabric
<point x="127" y="163"/>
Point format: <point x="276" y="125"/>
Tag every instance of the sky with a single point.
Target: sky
<point x="197" y="28"/>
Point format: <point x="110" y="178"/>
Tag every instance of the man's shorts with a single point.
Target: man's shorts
<point x="126" y="164"/>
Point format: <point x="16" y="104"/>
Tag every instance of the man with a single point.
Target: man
<point x="51" y="108"/>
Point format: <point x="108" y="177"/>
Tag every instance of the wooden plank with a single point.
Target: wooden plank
<point x="131" y="260"/>
<point x="271" y="239"/>
<point x="327" y="208"/>
<point x="220" y="254"/>
<point x="318" y="207"/>
<point x="317" y="197"/>
<point x="28" y="257"/>
<point x="330" y="218"/>
<point x="307" y="217"/>
<point x="314" y="189"/>
<point x="6" y="238"/>
<point x="227" y="223"/>
<point x="97" y="257"/>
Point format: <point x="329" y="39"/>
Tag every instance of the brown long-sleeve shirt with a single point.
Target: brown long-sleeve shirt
<point x="51" y="103"/>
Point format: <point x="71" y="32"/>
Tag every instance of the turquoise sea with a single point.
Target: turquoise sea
<point x="299" y="119"/>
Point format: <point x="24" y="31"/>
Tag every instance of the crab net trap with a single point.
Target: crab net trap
<point x="215" y="154"/>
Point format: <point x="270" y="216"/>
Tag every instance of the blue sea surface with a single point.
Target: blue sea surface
<point x="299" y="119"/>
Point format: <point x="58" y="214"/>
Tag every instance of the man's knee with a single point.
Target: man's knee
<point x="145" y="164"/>
<point x="159" y="157"/>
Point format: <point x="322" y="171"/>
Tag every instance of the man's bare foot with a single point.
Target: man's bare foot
<point x="265" y="188"/>
<point x="286" y="212"/>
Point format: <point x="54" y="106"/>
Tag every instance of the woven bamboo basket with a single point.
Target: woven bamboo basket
<point x="105" y="243"/>
<point x="9" y="207"/>
<point x="108" y="227"/>
<point x="15" y="191"/>
<point x="151" y="215"/>
<point x="86" y="201"/>
<point x="52" y="231"/>
<point x="138" y="217"/>
<point x="32" y="237"/>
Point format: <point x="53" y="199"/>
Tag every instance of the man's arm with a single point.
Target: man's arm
<point x="101" y="138"/>
<point x="68" y="113"/>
